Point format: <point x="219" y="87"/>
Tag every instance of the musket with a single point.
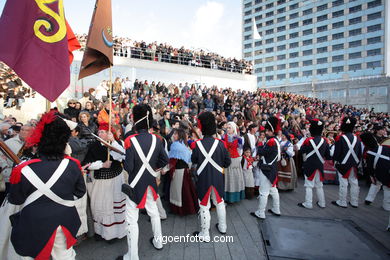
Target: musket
<point x="7" y="152"/>
<point x="192" y="128"/>
<point x="106" y="144"/>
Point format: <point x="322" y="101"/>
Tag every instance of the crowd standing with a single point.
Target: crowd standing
<point x="164" y="52"/>
<point x="192" y="145"/>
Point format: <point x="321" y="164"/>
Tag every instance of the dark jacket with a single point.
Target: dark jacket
<point x="270" y="151"/>
<point x="313" y="163"/>
<point x="341" y="150"/>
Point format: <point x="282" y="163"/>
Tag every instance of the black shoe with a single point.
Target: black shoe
<point x="223" y="233"/>
<point x="355" y="207"/>
<point x="318" y="204"/>
<point x="119" y="257"/>
<point x="301" y="205"/>
<point x="98" y="237"/>
<point x="335" y="203"/>
<point x="196" y="233"/>
<point x="273" y="213"/>
<point x="367" y="202"/>
<point x="254" y="215"/>
<point x="151" y="241"/>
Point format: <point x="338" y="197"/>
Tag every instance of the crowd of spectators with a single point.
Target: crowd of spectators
<point x="163" y="52"/>
<point x="12" y="90"/>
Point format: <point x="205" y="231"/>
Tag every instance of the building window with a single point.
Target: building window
<point x="355" y="9"/>
<point x="281" y="28"/>
<point x="374" y="52"/>
<point x="248" y="29"/>
<point x="268" y="41"/>
<point x="337" y="36"/>
<point x="270" y="5"/>
<point x="322" y="39"/>
<point x="281" y="19"/>
<point x="337" y="3"/>
<point x="338" y="93"/>
<point x="293" y="75"/>
<point x="294" y="25"/>
<point x="258" y="70"/>
<point x="281" y="38"/>
<point x="293" y="45"/>
<point x="294" y="65"/>
<point x="307" y="52"/>
<point x="355" y="44"/>
<point x="269" y="50"/>
<point x="281" y="47"/>
<point x="247" y="21"/>
<point x="322" y="28"/>
<point x="281" y="10"/>
<point x="281" y="2"/>
<point x="355" y="20"/>
<point x="269" y="68"/>
<point x="293" y="55"/>
<point x="293" y="35"/>
<point x="355" y="67"/>
<point x="374" y="40"/>
<point x="294" y="15"/>
<point x="282" y="57"/>
<point x="337" y="69"/>
<point x="281" y="76"/>
<point x="269" y="78"/>
<point x="294" y="6"/>
<point x="257" y="43"/>
<point x="338" y="13"/>
<point x="378" y="91"/>
<point x="259" y="17"/>
<point x="322" y="60"/>
<point x="338" y="58"/>
<point x="373" y="4"/>
<point x="248" y="45"/>
<point x="355" y="55"/>
<point x="258" y="9"/>
<point x="307" y="21"/>
<point x="374" y="64"/>
<point x="258" y="2"/>
<point x="337" y="25"/>
<point x="322" y="71"/>
<point x="307" y="32"/>
<point x="259" y="79"/>
<point x="322" y="7"/>
<point x="269" y="22"/>
<point x="247" y="37"/>
<point x="307" y="73"/>
<point x="247" y="54"/>
<point x="269" y="31"/>
<point x="322" y="49"/>
<point x="258" y="52"/>
<point x="307" y="42"/>
<point x="307" y="11"/>
<point x="374" y="28"/>
<point x="355" y="32"/>
<point x="281" y="66"/>
<point x="356" y="92"/>
<point x="307" y="62"/>
<point x="248" y="5"/>
<point x="374" y="16"/>
<point x="248" y="13"/>
<point x="269" y="14"/>
<point x="258" y="61"/>
<point x="322" y="18"/>
<point x="338" y="47"/>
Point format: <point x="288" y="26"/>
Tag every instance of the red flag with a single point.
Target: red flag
<point x="73" y="43"/>
<point x="98" y="52"/>
<point x="35" y="45"/>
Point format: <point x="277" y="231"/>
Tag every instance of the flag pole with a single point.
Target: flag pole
<point x="48" y="105"/>
<point x="110" y="112"/>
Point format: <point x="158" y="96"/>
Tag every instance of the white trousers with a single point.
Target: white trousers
<point x="205" y="218"/>
<point x="343" y="189"/>
<point x="265" y="190"/>
<point x="309" y="185"/>
<point x="373" y="191"/>
<point x="132" y="213"/>
<point x="59" y="251"/>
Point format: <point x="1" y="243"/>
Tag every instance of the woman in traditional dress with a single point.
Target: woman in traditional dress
<point x="287" y="173"/>
<point x="234" y="178"/>
<point x="182" y="194"/>
<point x="107" y="200"/>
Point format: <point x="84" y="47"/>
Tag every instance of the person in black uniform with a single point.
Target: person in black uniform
<point x="378" y="166"/>
<point x="48" y="221"/>
<point x="210" y="156"/>
<point x="315" y="151"/>
<point x="270" y="154"/>
<point x="347" y="155"/>
<point x="145" y="155"/>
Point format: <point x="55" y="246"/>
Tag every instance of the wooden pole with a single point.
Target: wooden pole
<point x="110" y="113"/>
<point x="48" y="105"/>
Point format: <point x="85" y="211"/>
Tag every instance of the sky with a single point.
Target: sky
<point x="198" y="24"/>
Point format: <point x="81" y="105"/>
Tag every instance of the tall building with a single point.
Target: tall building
<point x="330" y="49"/>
